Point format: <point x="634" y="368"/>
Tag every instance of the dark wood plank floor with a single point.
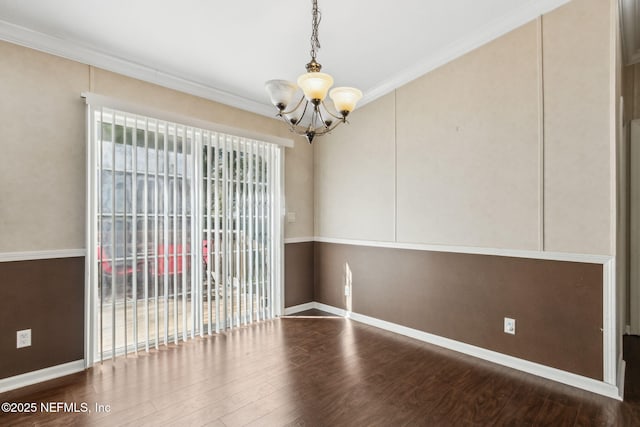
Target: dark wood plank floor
<point x="317" y="372"/>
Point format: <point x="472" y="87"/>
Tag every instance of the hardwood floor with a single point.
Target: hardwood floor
<point x="310" y="371"/>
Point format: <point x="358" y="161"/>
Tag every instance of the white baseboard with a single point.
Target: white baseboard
<point x="574" y="380"/>
<point x="299" y="308"/>
<point x="317" y="306"/>
<point x="622" y="367"/>
<point x="41" y="375"/>
<point x="333" y="310"/>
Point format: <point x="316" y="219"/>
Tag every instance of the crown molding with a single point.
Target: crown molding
<point x="87" y="55"/>
<point x="77" y="52"/>
<point x="455" y="50"/>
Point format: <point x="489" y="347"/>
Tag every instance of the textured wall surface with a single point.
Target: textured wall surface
<point x="508" y="146"/>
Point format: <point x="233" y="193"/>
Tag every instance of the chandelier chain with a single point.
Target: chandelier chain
<point x="310" y="116"/>
<point x="315" y="42"/>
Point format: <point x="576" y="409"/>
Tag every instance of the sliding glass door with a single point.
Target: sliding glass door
<point x="184" y="232"/>
<point x="237" y="230"/>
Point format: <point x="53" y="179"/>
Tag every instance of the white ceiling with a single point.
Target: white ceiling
<point x="226" y="50"/>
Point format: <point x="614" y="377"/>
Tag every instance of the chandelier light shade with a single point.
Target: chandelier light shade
<point x="345" y="99"/>
<point x="315" y="85"/>
<point x="310" y="116"/>
<point x="281" y="92"/>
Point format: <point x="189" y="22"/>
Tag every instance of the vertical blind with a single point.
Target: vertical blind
<point x="184" y="231"/>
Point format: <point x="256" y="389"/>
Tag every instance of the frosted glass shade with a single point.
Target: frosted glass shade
<point x="281" y="92"/>
<point x="345" y="98"/>
<point x="315" y="85"/>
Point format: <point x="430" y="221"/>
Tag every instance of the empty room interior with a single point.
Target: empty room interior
<point x="315" y="212"/>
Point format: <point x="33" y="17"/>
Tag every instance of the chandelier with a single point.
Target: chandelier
<point x="310" y="116"/>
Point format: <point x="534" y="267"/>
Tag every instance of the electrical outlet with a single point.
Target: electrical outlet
<point x="23" y="338"/>
<point x="509" y="326"/>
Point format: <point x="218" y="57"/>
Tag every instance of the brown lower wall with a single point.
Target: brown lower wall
<point x="46" y="296"/>
<point x="557" y="305"/>
<point x="298" y="273"/>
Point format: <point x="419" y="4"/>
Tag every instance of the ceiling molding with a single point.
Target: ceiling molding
<point x="459" y="48"/>
<point x="112" y="62"/>
<point x="630" y="29"/>
<point x="71" y="50"/>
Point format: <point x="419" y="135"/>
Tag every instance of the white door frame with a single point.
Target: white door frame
<point x="634" y="231"/>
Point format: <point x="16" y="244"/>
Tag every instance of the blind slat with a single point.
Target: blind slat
<point x="158" y="250"/>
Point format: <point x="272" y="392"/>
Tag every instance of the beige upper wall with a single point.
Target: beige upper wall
<point x="42" y="194"/>
<point x="468" y="143"/>
<point x="42" y="174"/>
<point x="298" y="184"/>
<point x="577" y="125"/>
<point x="42" y="169"/>
<point x="354" y="176"/>
<point x="471" y="170"/>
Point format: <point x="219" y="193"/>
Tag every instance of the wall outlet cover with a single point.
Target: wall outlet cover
<point x="23" y="338"/>
<point x="509" y="326"/>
